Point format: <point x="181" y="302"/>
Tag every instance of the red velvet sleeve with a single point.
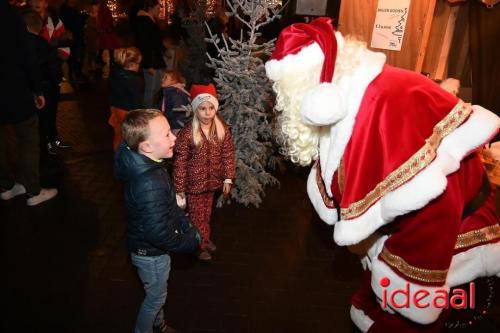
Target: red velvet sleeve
<point x="426" y="239"/>
<point x="181" y="153"/>
<point x="228" y="162"/>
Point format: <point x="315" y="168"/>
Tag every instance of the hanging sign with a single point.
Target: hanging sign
<point x="310" y="7"/>
<point x="390" y="23"/>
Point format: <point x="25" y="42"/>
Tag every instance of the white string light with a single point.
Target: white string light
<point x="115" y="9"/>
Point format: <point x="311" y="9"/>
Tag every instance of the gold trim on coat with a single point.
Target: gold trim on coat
<point x="421" y="159"/>
<point x="322" y="188"/>
<point x="416" y="273"/>
<point x="479" y="236"/>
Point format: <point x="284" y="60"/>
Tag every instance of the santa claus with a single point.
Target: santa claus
<point x="395" y="170"/>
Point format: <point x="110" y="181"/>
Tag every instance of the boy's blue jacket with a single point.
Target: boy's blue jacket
<point x="155" y="224"/>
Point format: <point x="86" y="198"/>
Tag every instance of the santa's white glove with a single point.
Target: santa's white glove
<point x="366" y="263"/>
<point x="387" y="308"/>
<point x="181" y="200"/>
<point x="372" y="252"/>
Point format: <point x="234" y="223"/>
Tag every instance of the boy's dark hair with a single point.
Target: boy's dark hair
<point x="135" y="126"/>
<point x="33" y="21"/>
<point x="148" y="4"/>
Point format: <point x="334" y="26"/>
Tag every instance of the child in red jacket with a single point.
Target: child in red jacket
<point x="204" y="162"/>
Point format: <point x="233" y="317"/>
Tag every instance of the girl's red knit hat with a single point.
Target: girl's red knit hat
<point x="201" y="93"/>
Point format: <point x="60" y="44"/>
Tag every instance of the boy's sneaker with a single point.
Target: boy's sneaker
<point x="210" y="247"/>
<point x="60" y="144"/>
<point x="44" y="195"/>
<point x="164" y="328"/>
<point x="16" y="190"/>
<point x="51" y="148"/>
<point x="204" y="256"/>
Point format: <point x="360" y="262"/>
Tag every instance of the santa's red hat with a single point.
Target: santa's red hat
<point x="301" y="47"/>
<point x="203" y="93"/>
<point x="296" y="37"/>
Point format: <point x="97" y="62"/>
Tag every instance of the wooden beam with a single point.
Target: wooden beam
<point x="441" y="68"/>
<point x="425" y="35"/>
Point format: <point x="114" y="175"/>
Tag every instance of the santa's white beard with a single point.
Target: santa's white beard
<point x="299" y="141"/>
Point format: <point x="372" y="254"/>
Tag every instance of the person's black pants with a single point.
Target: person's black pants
<point x="48" y="116"/>
<point x="75" y="61"/>
<point x="28" y="156"/>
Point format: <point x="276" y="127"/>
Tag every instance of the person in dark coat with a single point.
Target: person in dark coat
<point x="74" y="21"/>
<point x="51" y="69"/>
<point x="148" y="39"/>
<point x="56" y="34"/>
<point x="155" y="224"/>
<point x="124" y="82"/>
<point x="107" y="37"/>
<point x="20" y="96"/>
<point x="125" y="91"/>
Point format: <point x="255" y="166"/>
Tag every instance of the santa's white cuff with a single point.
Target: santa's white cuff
<point x="327" y="214"/>
<point x="399" y="294"/>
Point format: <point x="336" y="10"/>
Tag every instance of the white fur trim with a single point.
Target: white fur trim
<point x="308" y="57"/>
<point x="481" y="127"/>
<point x="372" y="252"/>
<point x="353" y="87"/>
<point x="340" y="40"/>
<point x="204" y="98"/>
<point x="426" y="185"/>
<point x="476" y="262"/>
<point x="360" y="319"/>
<point x="323" y="105"/>
<point x="381" y="270"/>
<point x="329" y="215"/>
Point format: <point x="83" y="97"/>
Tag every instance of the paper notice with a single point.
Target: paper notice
<point x="390" y="23"/>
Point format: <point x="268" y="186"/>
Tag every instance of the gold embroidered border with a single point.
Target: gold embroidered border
<point x="340" y="176"/>
<point x="474" y="237"/>
<point x="321" y="186"/>
<point x="416" y="273"/>
<point x="412" y="166"/>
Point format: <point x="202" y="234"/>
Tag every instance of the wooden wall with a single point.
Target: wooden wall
<point x="459" y="60"/>
<point x="358" y="16"/>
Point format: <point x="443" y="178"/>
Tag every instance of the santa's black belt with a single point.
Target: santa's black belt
<point x="479" y="198"/>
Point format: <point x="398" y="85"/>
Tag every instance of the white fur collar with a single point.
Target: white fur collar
<point x="334" y="139"/>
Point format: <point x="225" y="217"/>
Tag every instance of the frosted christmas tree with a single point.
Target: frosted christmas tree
<point x="246" y="97"/>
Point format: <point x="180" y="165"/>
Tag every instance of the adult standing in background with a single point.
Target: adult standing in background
<point x="56" y="34"/>
<point x="74" y="21"/>
<point x="20" y="96"/>
<point x="106" y="37"/>
<point x="148" y="39"/>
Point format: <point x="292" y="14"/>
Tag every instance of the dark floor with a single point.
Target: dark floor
<point x="66" y="269"/>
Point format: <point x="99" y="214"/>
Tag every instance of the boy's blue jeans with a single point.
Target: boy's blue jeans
<point x="153" y="272"/>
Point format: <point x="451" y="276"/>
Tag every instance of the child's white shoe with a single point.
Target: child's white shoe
<point x="16" y="190"/>
<point x="44" y="195"/>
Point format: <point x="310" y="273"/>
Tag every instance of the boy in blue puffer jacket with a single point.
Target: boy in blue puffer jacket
<point x="155" y="224"/>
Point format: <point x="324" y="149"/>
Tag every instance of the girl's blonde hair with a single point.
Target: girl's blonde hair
<point x="127" y="56"/>
<point x="217" y="130"/>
